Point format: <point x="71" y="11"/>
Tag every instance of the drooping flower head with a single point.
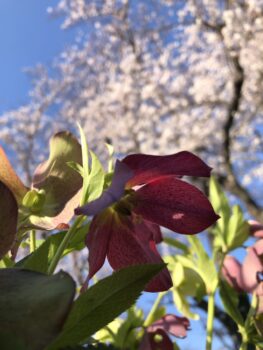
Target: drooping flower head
<point x="246" y="277"/>
<point x="156" y="336"/>
<point x="49" y="203"/>
<point x="146" y="192"/>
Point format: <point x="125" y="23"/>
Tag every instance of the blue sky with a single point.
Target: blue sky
<point x="28" y="36"/>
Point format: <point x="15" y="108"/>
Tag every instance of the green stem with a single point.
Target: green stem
<point x="210" y="321"/>
<point x="150" y="318"/>
<point x="243" y="346"/>
<point x="63" y="245"/>
<point x="32" y="241"/>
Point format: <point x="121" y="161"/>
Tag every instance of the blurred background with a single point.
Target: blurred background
<point x="147" y="76"/>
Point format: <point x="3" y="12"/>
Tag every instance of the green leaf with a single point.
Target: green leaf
<point x="237" y="230"/>
<point x="77" y="167"/>
<point x="182" y="305"/>
<point x="203" y="265"/>
<point x="175" y="346"/>
<point x="34" y="200"/>
<point x="6" y="262"/>
<point x="218" y="198"/>
<point x="104" y="301"/>
<point x="108" y="333"/>
<point x="39" y="260"/>
<point x="96" y="180"/>
<point x="178" y="274"/>
<point x="188" y="281"/>
<point x="229" y="299"/>
<point x="222" y="208"/>
<point x="9" y="342"/>
<point x="33" y="306"/>
<point x="8" y="219"/>
<point x="125" y="335"/>
<point x="111" y="152"/>
<point x="176" y="244"/>
<point x="85" y="162"/>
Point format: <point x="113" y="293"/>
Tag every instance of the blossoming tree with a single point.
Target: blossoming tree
<point x="157" y="76"/>
<point x="152" y="77"/>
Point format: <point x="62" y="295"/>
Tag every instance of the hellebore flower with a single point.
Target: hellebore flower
<point x="156" y="337"/>
<point x="248" y="276"/>
<point x="146" y="192"/>
<point x="55" y="191"/>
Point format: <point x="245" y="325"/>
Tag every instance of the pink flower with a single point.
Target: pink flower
<point x="146" y="192"/>
<point x="176" y="326"/>
<point x="248" y="276"/>
<point x="256" y="228"/>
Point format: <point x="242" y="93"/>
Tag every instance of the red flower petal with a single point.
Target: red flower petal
<point x="8" y="219"/>
<point x="231" y="271"/>
<point x="175" y="325"/>
<point x="126" y="249"/>
<point x="148" y="167"/>
<point x="174" y="204"/>
<point x="147" y="230"/>
<point x="97" y="241"/>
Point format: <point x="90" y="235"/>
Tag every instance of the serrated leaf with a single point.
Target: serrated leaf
<point x="218" y="198"/>
<point x="237" y="229"/>
<point x="221" y="206"/>
<point x="229" y="299"/>
<point x="182" y="305"/>
<point x="42" y="256"/>
<point x="101" y="303"/>
<point x="33" y="306"/>
<point x="203" y="265"/>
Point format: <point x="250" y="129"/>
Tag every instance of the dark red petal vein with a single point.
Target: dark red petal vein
<point x="149" y="167"/>
<point x="97" y="241"/>
<point x="126" y="248"/>
<point x="174" y="204"/>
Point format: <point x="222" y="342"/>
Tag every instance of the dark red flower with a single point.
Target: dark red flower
<point x="146" y="192"/>
<point x="156" y="336"/>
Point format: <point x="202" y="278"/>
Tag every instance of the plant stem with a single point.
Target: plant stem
<point x="243" y="346"/>
<point x="150" y="318"/>
<point x="210" y="320"/>
<point x="32" y="241"/>
<point x="63" y="245"/>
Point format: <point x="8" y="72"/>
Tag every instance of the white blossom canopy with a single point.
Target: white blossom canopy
<point x="156" y="77"/>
